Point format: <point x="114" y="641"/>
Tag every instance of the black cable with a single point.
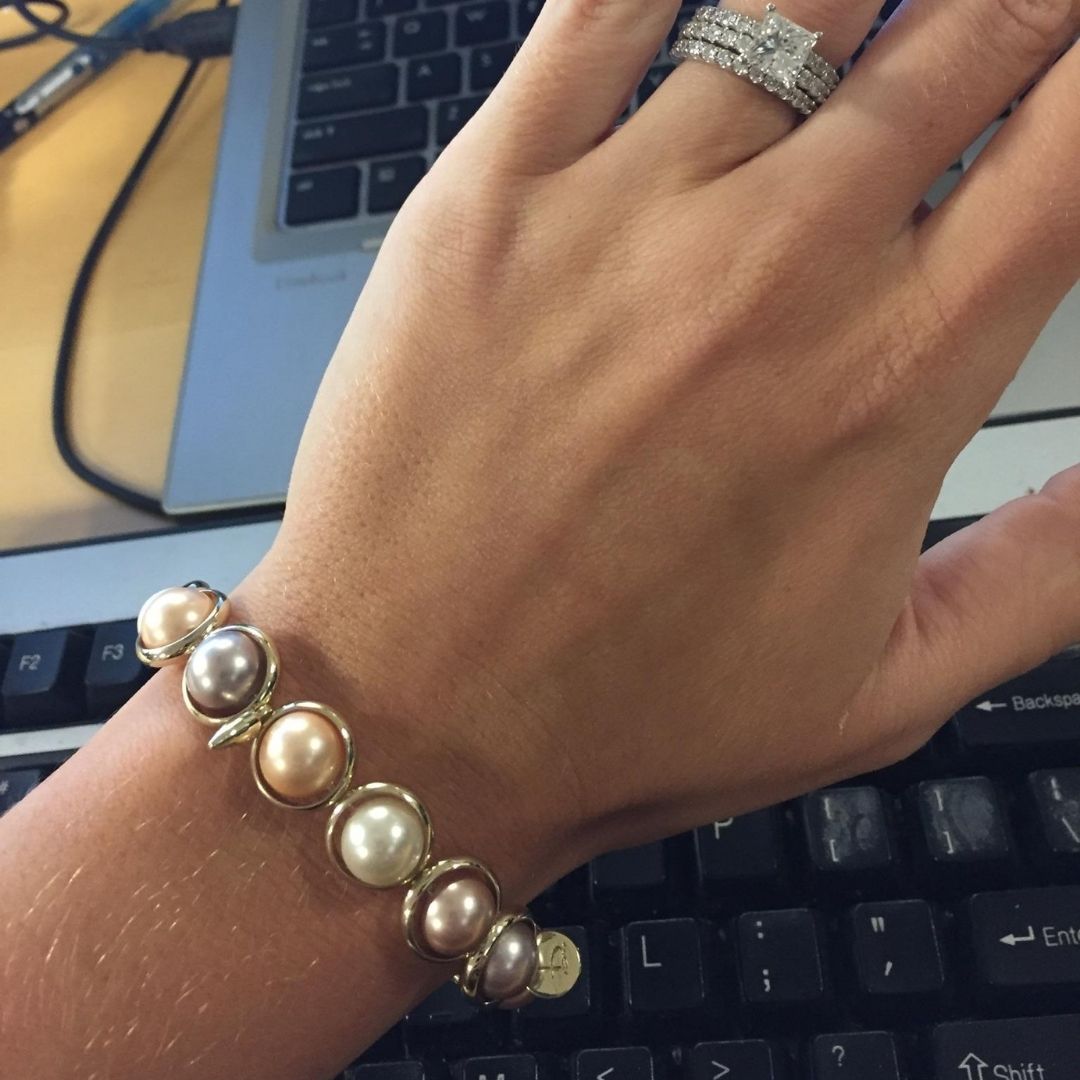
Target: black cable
<point x="41" y="29"/>
<point x="76" y="302"/>
<point x="56" y="29"/>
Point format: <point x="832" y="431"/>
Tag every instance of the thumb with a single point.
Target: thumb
<point x="987" y="604"/>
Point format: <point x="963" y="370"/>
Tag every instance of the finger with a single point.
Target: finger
<point x="704" y="120"/>
<point x="571" y="79"/>
<point x="1027" y="184"/>
<point x="989" y="603"/>
<point x="930" y="84"/>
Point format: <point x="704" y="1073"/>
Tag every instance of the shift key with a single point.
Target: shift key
<point x="1027" y="938"/>
<point x="1033" y="1048"/>
<point x="368" y="135"/>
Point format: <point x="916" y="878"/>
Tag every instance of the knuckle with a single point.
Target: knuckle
<point x="1038" y="26"/>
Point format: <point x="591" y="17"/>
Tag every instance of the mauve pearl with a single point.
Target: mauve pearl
<point x="511" y="963"/>
<point x="225" y="673"/>
<point x="458" y="914"/>
<point x="170" y="614"/>
<point x="382" y="841"/>
<point x="301" y="757"/>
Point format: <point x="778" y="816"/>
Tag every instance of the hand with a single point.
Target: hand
<point x="609" y="510"/>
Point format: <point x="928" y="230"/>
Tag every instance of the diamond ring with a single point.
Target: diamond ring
<point x="773" y="53"/>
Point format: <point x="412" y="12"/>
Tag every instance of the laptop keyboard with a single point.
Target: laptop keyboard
<point x="919" y="923"/>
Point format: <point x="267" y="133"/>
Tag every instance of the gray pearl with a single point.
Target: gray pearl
<point x="511" y="963"/>
<point x="225" y="673"/>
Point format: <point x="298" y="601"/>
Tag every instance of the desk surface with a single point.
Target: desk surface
<point x="55" y="184"/>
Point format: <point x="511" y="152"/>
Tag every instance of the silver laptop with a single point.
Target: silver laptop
<point x="335" y="109"/>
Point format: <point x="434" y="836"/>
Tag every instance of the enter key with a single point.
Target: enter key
<point x="1027" y="938"/>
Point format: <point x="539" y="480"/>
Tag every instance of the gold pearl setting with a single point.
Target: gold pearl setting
<point x="303" y="757"/>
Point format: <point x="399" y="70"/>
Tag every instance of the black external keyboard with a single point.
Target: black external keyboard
<point x="920" y="923"/>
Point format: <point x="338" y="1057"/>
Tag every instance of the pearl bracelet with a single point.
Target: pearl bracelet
<point x="303" y="758"/>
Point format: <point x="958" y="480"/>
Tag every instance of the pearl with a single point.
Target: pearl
<point x="225" y="673"/>
<point x="459" y="913"/>
<point x="383" y="841"/>
<point x="511" y="963"/>
<point x="301" y="757"/>
<point x="170" y="614"/>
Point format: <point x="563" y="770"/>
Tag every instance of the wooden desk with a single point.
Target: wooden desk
<point x="55" y="184"/>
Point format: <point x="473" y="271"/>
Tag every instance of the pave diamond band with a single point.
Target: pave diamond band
<point x="773" y="53"/>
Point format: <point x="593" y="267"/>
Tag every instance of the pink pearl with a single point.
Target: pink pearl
<point x="170" y="614"/>
<point x="225" y="673"/>
<point x="511" y="964"/>
<point x="459" y="913"/>
<point x="301" y="757"/>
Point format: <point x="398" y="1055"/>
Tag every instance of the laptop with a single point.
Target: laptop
<point x="335" y="109"/>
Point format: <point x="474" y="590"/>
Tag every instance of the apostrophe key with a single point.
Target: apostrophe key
<point x="896" y="951"/>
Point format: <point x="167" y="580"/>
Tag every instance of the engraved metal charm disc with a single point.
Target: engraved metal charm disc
<point x="559" y="966"/>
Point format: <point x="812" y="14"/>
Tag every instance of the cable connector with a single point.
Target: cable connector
<point x="199" y="35"/>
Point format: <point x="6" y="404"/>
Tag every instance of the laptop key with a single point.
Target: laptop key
<point x="1027" y="938"/>
<point x="488" y="64"/>
<point x="386" y="1070"/>
<point x="347" y="91"/>
<point x="1032" y="1048"/>
<point x="361" y="43"/>
<point x="390" y="182"/>
<point x="868" y="1055"/>
<point x="113" y="672"/>
<point x="527" y="11"/>
<point x="663" y="967"/>
<point x="422" y="33"/>
<point x="327" y="12"/>
<point x="452" y="116"/>
<point x="896" y="949"/>
<point x="43" y="682"/>
<point x="433" y="76"/>
<point x="326" y="195"/>
<point x="504" y="1067"/>
<point x="750" y="1059"/>
<point x="477" y="24"/>
<point x="379" y="9"/>
<point x="780" y="957"/>
<point x="15" y="784"/>
<point x="370" y="135"/>
<point x="738" y="850"/>
<point x="624" y="1063"/>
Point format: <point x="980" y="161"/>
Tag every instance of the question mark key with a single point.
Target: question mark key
<point x="857" y="1055"/>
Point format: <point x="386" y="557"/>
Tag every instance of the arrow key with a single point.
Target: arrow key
<point x="625" y="1063"/>
<point x="753" y="1059"/>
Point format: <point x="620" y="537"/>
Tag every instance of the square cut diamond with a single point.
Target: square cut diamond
<point x="780" y="48"/>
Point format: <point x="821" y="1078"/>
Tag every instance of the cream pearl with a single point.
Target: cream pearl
<point x="458" y="914"/>
<point x="225" y="673"/>
<point x="511" y="963"/>
<point x="170" y="614"/>
<point x="383" y="841"/>
<point x="301" y="757"/>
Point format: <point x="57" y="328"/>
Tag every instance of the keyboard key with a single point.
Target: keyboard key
<point x="391" y="182"/>
<point x="638" y="870"/>
<point x="113" y="672"/>
<point x="488" y="64"/>
<point x="527" y="11"/>
<point x="15" y="784"/>
<point x="328" y="12"/>
<point x="1033" y="1048"/>
<point x="741" y="849"/>
<point x="433" y="76"/>
<point x="386" y="1070"/>
<point x="1032" y="720"/>
<point x="360" y="43"/>
<point x="327" y="195"/>
<point x="662" y="966"/>
<point x="846" y="829"/>
<point x="626" y="1063"/>
<point x="868" y="1055"/>
<point x="653" y="78"/>
<point x="477" y="24"/>
<point x="370" y="135"/>
<point x="452" y="116"/>
<point x="1027" y="937"/>
<point x="963" y="821"/>
<point x="347" y="91"/>
<point x="445" y="1006"/>
<point x="421" y="34"/>
<point x="43" y="683"/>
<point x="379" y="9"/>
<point x="506" y="1067"/>
<point x="780" y="958"/>
<point x="1056" y="793"/>
<point x="896" y="948"/>
<point x="752" y="1059"/>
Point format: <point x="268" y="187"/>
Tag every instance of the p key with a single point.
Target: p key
<point x="738" y="850"/>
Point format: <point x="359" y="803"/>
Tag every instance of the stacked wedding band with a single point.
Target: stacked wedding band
<point x="773" y="53"/>
<point x="303" y="758"/>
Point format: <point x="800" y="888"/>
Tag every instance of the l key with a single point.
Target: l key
<point x="662" y="966"/>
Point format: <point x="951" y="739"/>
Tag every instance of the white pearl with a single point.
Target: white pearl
<point x="170" y="614"/>
<point x="383" y="841"/>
